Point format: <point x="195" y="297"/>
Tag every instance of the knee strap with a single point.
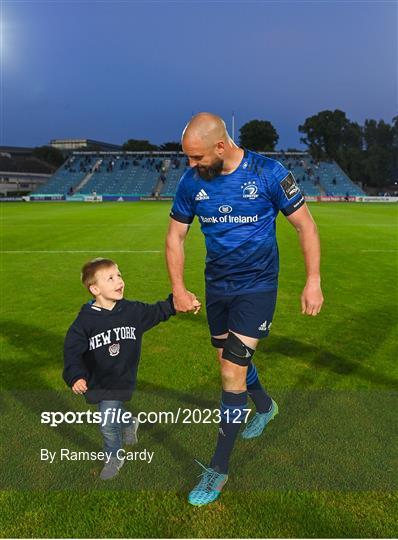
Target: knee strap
<point x="218" y="343"/>
<point x="236" y="351"/>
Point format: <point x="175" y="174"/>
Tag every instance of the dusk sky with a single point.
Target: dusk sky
<point x="115" y="70"/>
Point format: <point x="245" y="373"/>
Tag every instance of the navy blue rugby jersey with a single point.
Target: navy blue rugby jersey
<point x="237" y="213"/>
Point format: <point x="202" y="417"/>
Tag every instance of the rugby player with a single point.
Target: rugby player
<point x="236" y="195"/>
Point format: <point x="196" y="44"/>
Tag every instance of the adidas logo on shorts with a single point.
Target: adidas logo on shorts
<point x="201" y="196"/>
<point x="263" y="327"/>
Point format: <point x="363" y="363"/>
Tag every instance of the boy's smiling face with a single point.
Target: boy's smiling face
<point x="109" y="285"/>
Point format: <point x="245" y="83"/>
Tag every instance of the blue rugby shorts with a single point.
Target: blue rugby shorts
<point x="246" y="314"/>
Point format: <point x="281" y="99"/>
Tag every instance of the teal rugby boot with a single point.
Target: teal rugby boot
<point x="209" y="487"/>
<point x="257" y="424"/>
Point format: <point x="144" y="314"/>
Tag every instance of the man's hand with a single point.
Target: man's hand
<point x="185" y="301"/>
<point x="80" y="386"/>
<point x="312" y="298"/>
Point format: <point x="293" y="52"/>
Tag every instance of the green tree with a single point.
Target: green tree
<point x="172" y="146"/>
<point x="351" y="160"/>
<point x="349" y="154"/>
<point x="368" y="154"/>
<point x="395" y="148"/>
<point x="378" y="167"/>
<point x="380" y="154"/>
<point x="138" y="145"/>
<point x="49" y="154"/>
<point x="378" y="134"/>
<point x="395" y="129"/>
<point x="328" y="133"/>
<point x="258" y="135"/>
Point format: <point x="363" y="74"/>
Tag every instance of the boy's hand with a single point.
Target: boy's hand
<point x="80" y="386"/>
<point x="196" y="306"/>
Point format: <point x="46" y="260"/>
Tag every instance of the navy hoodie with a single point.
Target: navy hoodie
<point x="103" y="346"/>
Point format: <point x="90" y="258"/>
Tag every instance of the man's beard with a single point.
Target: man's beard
<point x="211" y="172"/>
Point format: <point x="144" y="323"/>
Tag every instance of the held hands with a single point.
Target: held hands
<point x="312" y="297"/>
<point x="80" y="386"/>
<point x="197" y="305"/>
<point x="185" y="301"/>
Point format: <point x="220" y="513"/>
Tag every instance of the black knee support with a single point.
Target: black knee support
<point x="218" y="343"/>
<point x="236" y="351"/>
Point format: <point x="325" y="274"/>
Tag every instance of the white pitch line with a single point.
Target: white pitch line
<point x="85" y="251"/>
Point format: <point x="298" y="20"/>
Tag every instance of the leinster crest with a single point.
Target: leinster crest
<point x="249" y="190"/>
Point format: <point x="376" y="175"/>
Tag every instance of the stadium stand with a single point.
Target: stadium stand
<point x="300" y="165"/>
<point x="336" y="182"/>
<point x="117" y="175"/>
<point x="320" y="178"/>
<point x="128" y="173"/>
<point x="68" y="176"/>
<point x="178" y="166"/>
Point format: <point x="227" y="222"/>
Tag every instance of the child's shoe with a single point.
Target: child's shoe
<point x="112" y="468"/>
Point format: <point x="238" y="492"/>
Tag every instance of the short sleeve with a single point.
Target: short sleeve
<point x="285" y="193"/>
<point x="182" y="209"/>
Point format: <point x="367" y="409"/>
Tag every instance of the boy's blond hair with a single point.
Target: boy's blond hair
<point x="91" y="267"/>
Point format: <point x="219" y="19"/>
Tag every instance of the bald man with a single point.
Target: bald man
<point x="236" y="195"/>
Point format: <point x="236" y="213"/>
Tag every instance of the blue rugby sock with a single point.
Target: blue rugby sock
<point x="259" y="396"/>
<point x="232" y="415"/>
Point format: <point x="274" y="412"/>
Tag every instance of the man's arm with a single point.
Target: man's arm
<point x="175" y="258"/>
<point x="311" y="298"/>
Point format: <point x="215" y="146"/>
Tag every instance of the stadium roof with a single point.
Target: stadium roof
<point x="16" y="150"/>
<point x="19" y="163"/>
<point x="74" y="144"/>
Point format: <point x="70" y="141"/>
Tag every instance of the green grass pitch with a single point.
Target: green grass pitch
<point x="326" y="467"/>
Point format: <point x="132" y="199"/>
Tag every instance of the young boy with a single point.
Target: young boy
<point x="102" y="351"/>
